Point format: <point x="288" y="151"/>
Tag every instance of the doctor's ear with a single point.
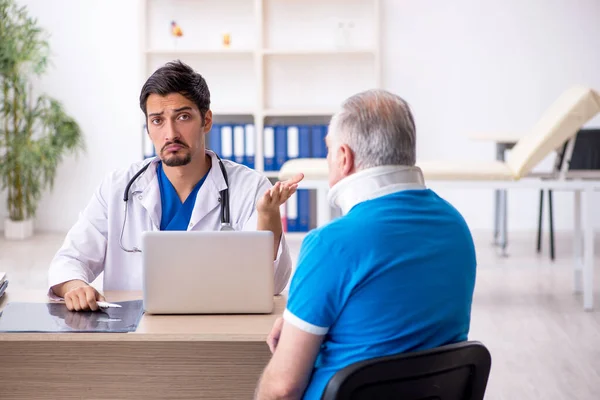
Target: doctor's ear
<point x="207" y="121"/>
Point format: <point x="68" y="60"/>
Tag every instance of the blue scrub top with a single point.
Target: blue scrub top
<point x="175" y="214"/>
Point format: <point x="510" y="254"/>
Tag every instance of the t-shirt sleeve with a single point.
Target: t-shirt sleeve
<point x="318" y="288"/>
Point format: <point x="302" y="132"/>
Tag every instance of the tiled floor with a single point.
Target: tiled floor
<point x="543" y="345"/>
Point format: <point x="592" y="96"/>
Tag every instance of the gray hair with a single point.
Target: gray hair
<point x="379" y="128"/>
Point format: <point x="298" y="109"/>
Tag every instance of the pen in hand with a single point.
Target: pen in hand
<point x="104" y="304"/>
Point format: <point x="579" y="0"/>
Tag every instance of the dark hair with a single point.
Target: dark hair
<point x="177" y="77"/>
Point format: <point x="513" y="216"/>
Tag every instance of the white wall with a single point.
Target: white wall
<point x="463" y="65"/>
<point x="468" y="66"/>
<point x="96" y="74"/>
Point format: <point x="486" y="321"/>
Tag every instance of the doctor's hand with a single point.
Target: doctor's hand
<point x="277" y="195"/>
<point x="273" y="337"/>
<point x="82" y="298"/>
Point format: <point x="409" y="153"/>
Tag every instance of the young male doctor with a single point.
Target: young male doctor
<point x="181" y="189"/>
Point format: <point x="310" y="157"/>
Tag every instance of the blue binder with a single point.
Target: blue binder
<point x="280" y="146"/>
<point x="319" y="149"/>
<point x="303" y="210"/>
<point x="214" y="139"/>
<point x="304" y="141"/>
<point x="250" y="146"/>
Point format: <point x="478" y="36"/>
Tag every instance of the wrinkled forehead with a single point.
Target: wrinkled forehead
<point x="169" y="103"/>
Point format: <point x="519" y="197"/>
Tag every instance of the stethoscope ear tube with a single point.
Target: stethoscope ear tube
<point x="225" y="215"/>
<point x="141" y="171"/>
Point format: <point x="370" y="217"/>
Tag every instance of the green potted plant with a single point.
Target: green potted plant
<point x="35" y="131"/>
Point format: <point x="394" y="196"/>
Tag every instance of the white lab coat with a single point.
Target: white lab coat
<point x="92" y="244"/>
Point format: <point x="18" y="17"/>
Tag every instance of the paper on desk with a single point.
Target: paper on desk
<point x="54" y="317"/>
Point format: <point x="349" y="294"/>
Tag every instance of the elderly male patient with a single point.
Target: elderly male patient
<point x="394" y="274"/>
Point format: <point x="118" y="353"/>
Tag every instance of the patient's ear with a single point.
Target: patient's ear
<point x="345" y="160"/>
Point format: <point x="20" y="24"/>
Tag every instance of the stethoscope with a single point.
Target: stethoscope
<point x="224" y="200"/>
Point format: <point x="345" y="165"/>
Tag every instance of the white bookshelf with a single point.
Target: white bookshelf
<point x="199" y="52"/>
<point x="315" y="52"/>
<point x="298" y="112"/>
<point x="286" y="59"/>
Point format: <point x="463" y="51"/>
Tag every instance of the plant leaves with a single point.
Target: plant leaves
<point x="35" y="134"/>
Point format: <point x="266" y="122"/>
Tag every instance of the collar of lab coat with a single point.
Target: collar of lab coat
<point x="147" y="191"/>
<point x="374" y="182"/>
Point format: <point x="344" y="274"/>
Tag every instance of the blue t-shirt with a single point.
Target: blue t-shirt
<point x="175" y="214"/>
<point x="396" y="274"/>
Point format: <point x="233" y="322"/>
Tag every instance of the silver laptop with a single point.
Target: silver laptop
<point x="187" y="272"/>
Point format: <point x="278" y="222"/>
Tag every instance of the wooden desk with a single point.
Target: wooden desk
<point x="168" y="357"/>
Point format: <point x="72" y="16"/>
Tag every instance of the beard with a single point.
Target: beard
<point x="178" y="158"/>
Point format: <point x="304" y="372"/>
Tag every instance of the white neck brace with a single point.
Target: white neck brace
<point x="372" y="183"/>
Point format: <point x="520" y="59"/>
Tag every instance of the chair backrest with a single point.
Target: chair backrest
<point x="560" y="122"/>
<point x="453" y="372"/>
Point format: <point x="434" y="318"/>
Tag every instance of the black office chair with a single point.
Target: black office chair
<point x="586" y="157"/>
<point x="454" y="372"/>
